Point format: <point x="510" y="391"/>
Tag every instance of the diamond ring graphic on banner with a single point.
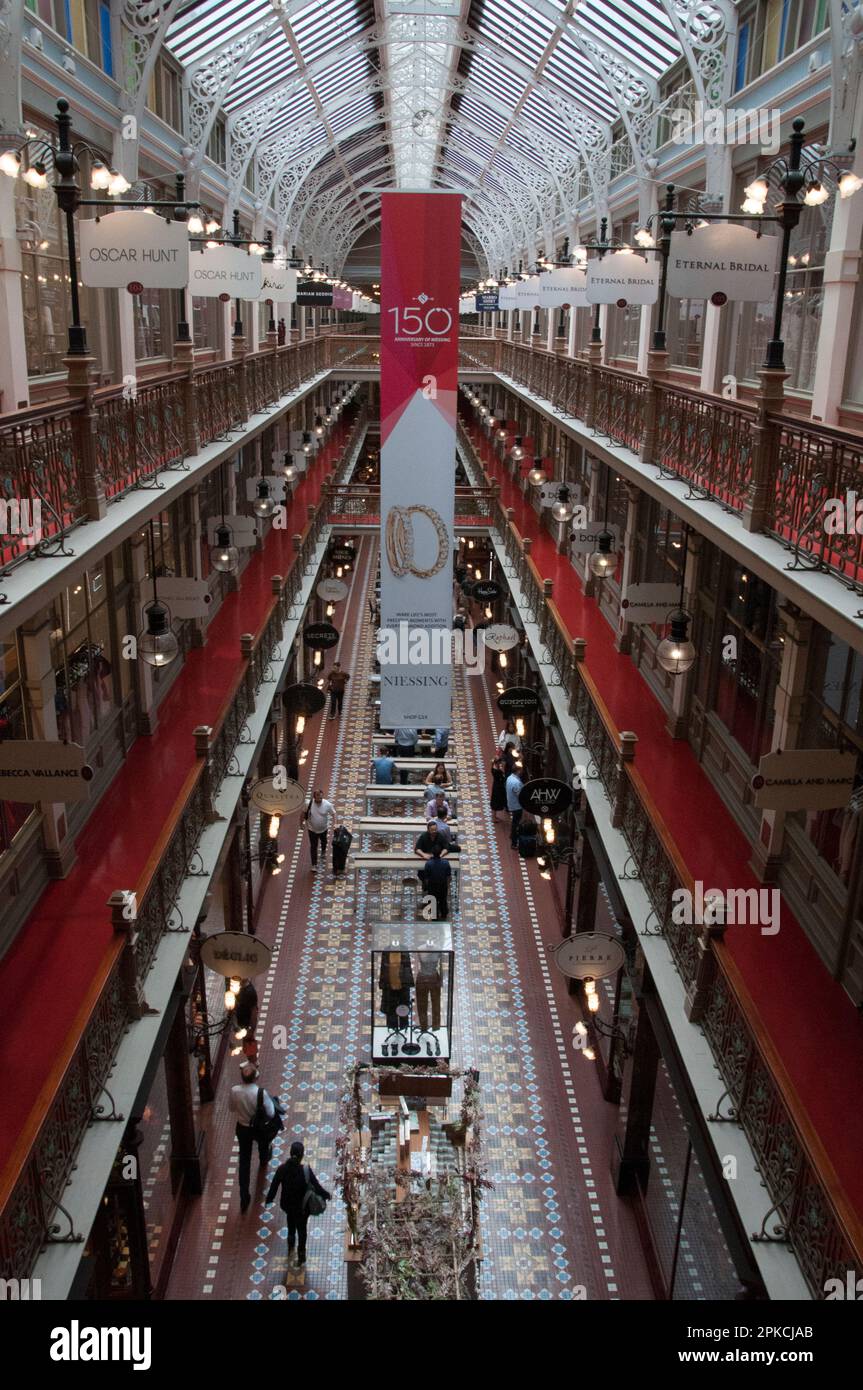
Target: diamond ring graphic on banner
<point x="518" y="699"/>
<point x="724" y="260"/>
<point x="236" y="955"/>
<point x="589" y="955"/>
<point x="332" y="590"/>
<point x="622" y="276"/>
<point x="320" y="636"/>
<point x="500" y="637"/>
<point x="303" y="699"/>
<point x="546" y="797"/>
<point x="271" y="800"/>
<point x="400" y="540"/>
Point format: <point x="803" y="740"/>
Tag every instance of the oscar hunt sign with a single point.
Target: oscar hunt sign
<point x="420" y="266"/>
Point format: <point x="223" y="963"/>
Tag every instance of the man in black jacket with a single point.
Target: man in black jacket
<point x="294" y="1178"/>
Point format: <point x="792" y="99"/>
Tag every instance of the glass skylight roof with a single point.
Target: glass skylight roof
<point x="414" y="96"/>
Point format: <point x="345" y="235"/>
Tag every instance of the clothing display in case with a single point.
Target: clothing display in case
<point x="411" y="991"/>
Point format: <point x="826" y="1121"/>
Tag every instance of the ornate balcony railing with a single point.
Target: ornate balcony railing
<point x="82" y="454"/>
<point x="773" y="471"/>
<point x="32" y="1214"/>
<point x="807" y="1206"/>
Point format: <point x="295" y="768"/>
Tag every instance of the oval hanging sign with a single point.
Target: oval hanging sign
<point x="589" y="955"/>
<point x="236" y="954"/>
<point x="320" y="636"/>
<point x="546" y="796"/>
<point x="332" y="590"/>
<point x="486" y="590"/>
<point x="303" y="699"/>
<point x="500" y="637"/>
<point x="341" y="555"/>
<point x="518" y="699"/>
<point x="274" y="799"/>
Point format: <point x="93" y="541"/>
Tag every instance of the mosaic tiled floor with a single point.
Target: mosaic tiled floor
<point x="552" y="1226"/>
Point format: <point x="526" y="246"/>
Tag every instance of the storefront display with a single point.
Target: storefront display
<point x="411" y="990"/>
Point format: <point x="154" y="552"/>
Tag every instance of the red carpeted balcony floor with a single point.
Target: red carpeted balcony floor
<point x="813" y="1024"/>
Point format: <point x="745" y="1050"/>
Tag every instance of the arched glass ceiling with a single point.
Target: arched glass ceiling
<point x="506" y="92"/>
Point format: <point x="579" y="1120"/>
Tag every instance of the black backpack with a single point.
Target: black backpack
<point x="313" y="1203"/>
<point x="264" y="1126"/>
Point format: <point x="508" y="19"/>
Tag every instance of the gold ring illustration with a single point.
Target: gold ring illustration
<point x="399" y="540"/>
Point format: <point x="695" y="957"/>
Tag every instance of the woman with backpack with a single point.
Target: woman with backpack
<point x="301" y="1197"/>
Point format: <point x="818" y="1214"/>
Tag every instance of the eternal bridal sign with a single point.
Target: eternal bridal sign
<point x="722" y="262"/>
<point x="565" y="286"/>
<point x="38" y="770"/>
<point x="227" y="270"/>
<point x="622" y="278"/>
<point x="133" y="246"/>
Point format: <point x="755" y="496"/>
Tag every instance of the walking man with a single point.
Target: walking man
<point x="294" y="1180"/>
<point x="319" y="814"/>
<point x="336" y="683"/>
<point x="514" y="785"/>
<point x="244" y="1104"/>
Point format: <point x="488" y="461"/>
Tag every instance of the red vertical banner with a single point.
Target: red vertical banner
<point x="420" y="274"/>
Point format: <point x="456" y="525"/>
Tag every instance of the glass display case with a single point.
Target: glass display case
<point x="411" y="991"/>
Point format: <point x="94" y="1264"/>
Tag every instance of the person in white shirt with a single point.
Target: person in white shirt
<point x="244" y="1104"/>
<point x="507" y="735"/>
<point x="319" y="813"/>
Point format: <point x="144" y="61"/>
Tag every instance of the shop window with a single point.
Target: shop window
<point x="659" y="544"/>
<point x="207" y="320"/>
<point x="13" y="725"/>
<point x="833" y="718"/>
<point x="685" y="332"/>
<point x="751" y="325"/>
<point x="45" y="282"/>
<point x="750" y="654"/>
<point x="83" y="657"/>
<point x="165" y="96"/>
<point x="149" y="338"/>
<point x="216" y="143"/>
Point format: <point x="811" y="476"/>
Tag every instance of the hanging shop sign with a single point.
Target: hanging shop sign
<point x="219" y="270"/>
<point x="282" y="798"/>
<point x="506" y="297"/>
<point x="622" y="278"/>
<point x="303" y="699"/>
<point x="420" y="269"/>
<point x="485" y="590"/>
<point x="500" y="637"/>
<point x="487" y="302"/>
<point x="804" y="779"/>
<point x="317" y="293"/>
<point x="279" y="283"/>
<point x="584" y="540"/>
<point x="589" y="955"/>
<point x="42" y="770"/>
<point x="243" y="530"/>
<point x="723" y="261"/>
<point x="527" y="293"/>
<point x="186" y="598"/>
<point x="565" y="286"/>
<point x="127" y="246"/>
<point x="650" y="603"/>
<point x="546" y="796"/>
<point x="332" y="590"/>
<point x="276" y="482"/>
<point x="236" y="955"/>
<point x="342" y="298"/>
<point x="518" y="699"/>
<point x="342" y="555"/>
<point x="320" y="636"/>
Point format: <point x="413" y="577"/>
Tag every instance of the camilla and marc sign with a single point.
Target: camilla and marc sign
<point x="804" y="779"/>
<point x="723" y="261"/>
<point x="133" y="248"/>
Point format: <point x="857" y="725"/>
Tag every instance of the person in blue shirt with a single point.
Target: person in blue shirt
<point x="383" y="767"/>
<point x="441" y="742"/>
<point x="514" y="785"/>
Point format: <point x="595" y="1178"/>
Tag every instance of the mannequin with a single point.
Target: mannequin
<point x="428" y="987"/>
<point x="395" y="980"/>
